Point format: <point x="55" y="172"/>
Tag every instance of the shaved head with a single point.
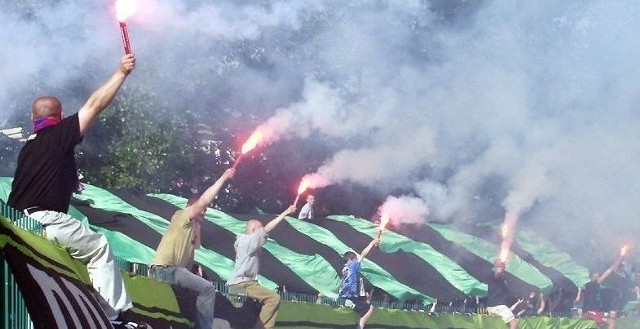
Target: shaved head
<point x="45" y="107"/>
<point x="252" y="226"/>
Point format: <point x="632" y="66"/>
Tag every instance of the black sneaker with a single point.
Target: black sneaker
<point x="126" y="320"/>
<point x="129" y="325"/>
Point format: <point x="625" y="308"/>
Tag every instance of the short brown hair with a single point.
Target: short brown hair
<point x="349" y="255"/>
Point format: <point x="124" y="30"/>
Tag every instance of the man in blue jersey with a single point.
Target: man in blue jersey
<point x="352" y="287"/>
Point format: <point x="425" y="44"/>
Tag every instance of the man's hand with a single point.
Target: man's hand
<point x="274" y="222"/>
<point x="290" y="210"/>
<point x="228" y="174"/>
<point x="127" y="63"/>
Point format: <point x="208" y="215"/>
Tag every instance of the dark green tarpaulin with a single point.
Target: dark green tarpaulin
<point x="316" y="269"/>
<point x="377" y="275"/>
<point x="489" y="252"/>
<point x="393" y="242"/>
<point x="548" y="255"/>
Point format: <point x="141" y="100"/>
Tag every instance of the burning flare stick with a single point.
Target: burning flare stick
<point x="504" y="253"/>
<point x="124" y="9"/>
<point x="504" y="249"/>
<point x="249" y="145"/>
<point x="384" y="220"/>
<point x="623" y="250"/>
<point x="304" y="185"/>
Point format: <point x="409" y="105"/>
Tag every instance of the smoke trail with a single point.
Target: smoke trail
<point x="476" y="107"/>
<point x="405" y="210"/>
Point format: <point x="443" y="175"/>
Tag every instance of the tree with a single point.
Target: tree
<point x="140" y="144"/>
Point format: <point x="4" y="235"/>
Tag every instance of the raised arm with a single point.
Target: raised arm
<point x="102" y="97"/>
<point x="368" y="248"/>
<point x="274" y="222"/>
<point x="433" y="306"/>
<point x="209" y="195"/>
<point x="513" y="307"/>
<point x="610" y="270"/>
<point x="579" y="294"/>
<point x="543" y="304"/>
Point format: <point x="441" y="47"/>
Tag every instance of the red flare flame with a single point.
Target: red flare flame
<point x="623" y="250"/>
<point x="504" y="253"/>
<point x="252" y="142"/>
<point x="384" y="220"/>
<point x="505" y="230"/>
<point x="304" y="185"/>
<point x="124" y="9"/>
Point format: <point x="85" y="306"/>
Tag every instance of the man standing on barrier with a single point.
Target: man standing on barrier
<point x="175" y="253"/>
<point x="248" y="247"/>
<point x="46" y="177"/>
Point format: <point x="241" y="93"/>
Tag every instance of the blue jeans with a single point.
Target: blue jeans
<point x="182" y="277"/>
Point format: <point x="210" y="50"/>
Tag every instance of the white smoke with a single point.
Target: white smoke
<point x="527" y="105"/>
<point x="405" y="210"/>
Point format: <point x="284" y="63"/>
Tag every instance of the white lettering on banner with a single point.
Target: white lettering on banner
<point x="51" y="288"/>
<point x="88" y="308"/>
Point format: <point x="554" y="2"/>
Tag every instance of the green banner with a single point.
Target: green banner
<point x="392" y="242"/>
<point x="489" y="251"/>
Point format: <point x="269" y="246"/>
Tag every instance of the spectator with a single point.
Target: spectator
<point x="308" y="212"/>
<point x="247" y="266"/>
<point x="497" y="296"/>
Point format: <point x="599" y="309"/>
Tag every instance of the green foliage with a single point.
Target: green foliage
<point x="139" y="143"/>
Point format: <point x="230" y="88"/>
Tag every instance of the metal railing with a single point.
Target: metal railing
<point x="14" y="309"/>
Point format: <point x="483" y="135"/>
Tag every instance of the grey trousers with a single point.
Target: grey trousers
<point x="182" y="277"/>
<point x="92" y="249"/>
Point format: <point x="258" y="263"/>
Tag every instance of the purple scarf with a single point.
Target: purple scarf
<point x="39" y="124"/>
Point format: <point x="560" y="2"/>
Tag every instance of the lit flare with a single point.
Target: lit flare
<point x="305" y="183"/>
<point x="384" y="220"/>
<point x="251" y="143"/>
<point x="504" y="253"/>
<point x="623" y="250"/>
<point x="124" y="9"/>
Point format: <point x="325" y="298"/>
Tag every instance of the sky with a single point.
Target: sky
<point x="457" y="110"/>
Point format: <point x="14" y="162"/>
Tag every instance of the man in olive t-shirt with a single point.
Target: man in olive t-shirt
<point x="174" y="256"/>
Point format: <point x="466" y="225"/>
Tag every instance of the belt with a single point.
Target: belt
<point x="158" y="266"/>
<point x="33" y="209"/>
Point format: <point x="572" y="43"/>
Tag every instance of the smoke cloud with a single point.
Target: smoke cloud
<point x="477" y="108"/>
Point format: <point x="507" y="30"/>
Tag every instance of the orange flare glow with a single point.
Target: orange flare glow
<point x="124" y="9"/>
<point x="503" y="255"/>
<point x="252" y="142"/>
<point x="623" y="250"/>
<point x="384" y="220"/>
<point x="505" y="230"/>
<point x="304" y="185"/>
